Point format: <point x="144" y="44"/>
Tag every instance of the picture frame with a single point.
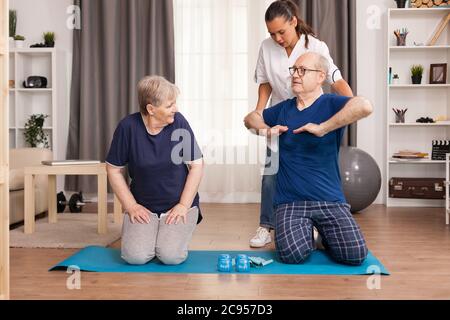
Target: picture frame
<point x="438" y="73"/>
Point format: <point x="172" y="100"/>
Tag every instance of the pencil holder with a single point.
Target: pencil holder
<point x="399" y="118"/>
<point x="400" y="115"/>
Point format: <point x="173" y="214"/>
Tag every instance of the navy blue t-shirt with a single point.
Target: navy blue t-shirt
<point x="156" y="163"/>
<point x="309" y="165"/>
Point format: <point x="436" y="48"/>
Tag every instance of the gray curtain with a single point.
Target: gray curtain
<point x="334" y="22"/>
<point x="120" y="41"/>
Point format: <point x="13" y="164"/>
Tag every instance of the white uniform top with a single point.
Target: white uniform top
<point x="273" y="66"/>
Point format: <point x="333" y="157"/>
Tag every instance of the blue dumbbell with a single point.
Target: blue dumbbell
<point x="242" y="263"/>
<point x="224" y="263"/>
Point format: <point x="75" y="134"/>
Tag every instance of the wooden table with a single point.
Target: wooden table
<point x="98" y="170"/>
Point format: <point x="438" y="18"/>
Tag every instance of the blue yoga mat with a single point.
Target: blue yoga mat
<point x="100" y="259"/>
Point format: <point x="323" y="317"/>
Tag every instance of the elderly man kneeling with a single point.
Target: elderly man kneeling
<point x="309" y="193"/>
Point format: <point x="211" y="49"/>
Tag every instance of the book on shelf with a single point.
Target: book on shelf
<point x="409" y="159"/>
<point x="70" y="162"/>
<point x="410" y="155"/>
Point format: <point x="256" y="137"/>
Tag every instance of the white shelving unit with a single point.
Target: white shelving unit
<point x="447" y="192"/>
<point x="425" y="100"/>
<point x="26" y="102"/>
<point x="4" y="153"/>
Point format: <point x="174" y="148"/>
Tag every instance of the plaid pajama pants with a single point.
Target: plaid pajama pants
<point x="341" y="235"/>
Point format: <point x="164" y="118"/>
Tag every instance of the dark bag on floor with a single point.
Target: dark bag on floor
<point x="417" y="188"/>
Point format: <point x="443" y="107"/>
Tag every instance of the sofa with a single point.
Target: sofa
<point x="18" y="160"/>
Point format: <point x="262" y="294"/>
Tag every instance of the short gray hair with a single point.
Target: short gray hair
<point x="155" y="90"/>
<point x="322" y="63"/>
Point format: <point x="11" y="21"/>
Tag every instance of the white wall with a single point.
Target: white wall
<point x="37" y="16"/>
<point x="372" y="75"/>
<point x="34" y="17"/>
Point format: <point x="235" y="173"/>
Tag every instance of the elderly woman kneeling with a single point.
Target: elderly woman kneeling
<point x="165" y="165"/>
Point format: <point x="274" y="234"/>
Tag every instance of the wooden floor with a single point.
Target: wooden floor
<point x="414" y="244"/>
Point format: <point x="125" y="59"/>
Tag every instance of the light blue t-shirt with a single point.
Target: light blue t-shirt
<point x="309" y="165"/>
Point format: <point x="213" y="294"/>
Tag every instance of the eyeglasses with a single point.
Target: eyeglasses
<point x="301" y="71"/>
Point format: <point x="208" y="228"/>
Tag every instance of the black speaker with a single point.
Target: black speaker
<point x="35" y="82"/>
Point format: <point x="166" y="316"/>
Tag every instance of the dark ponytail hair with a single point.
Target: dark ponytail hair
<point x="289" y="10"/>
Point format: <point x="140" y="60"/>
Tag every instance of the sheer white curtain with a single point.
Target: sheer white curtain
<point x="216" y="47"/>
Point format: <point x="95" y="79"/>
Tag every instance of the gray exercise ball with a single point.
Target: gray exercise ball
<point x="361" y="178"/>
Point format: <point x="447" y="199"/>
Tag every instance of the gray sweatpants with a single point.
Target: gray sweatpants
<point x="169" y="243"/>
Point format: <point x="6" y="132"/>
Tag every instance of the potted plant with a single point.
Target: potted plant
<point x="34" y="132"/>
<point x="401" y="3"/>
<point x="12" y="26"/>
<point x="396" y="79"/>
<point x="19" y="40"/>
<point x="49" y="39"/>
<point x="416" y="74"/>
